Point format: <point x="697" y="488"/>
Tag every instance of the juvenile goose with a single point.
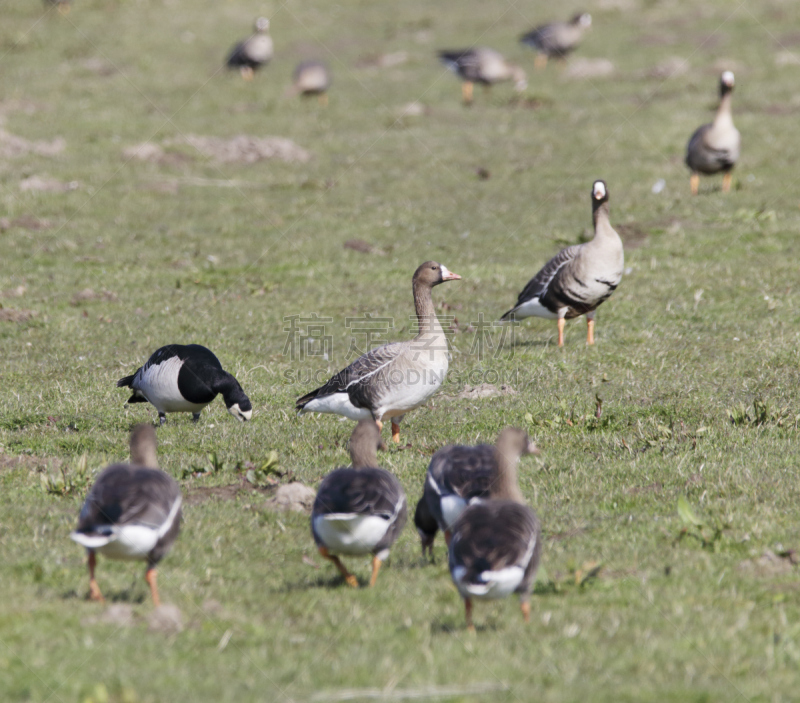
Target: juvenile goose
<point x="184" y="379"/>
<point x="457" y="476"/>
<point x="484" y="66"/>
<point x="254" y="52"/>
<point x="557" y="39"/>
<point x="577" y="279"/>
<point x="715" y="147"/>
<point x="132" y="512"/>
<point x="394" y="379"/>
<point x="312" y="78"/>
<point x="360" y="510"/>
<point x="496" y="544"/>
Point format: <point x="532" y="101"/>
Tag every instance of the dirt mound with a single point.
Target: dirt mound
<point x="244" y="149"/>
<point x="12" y="146"/>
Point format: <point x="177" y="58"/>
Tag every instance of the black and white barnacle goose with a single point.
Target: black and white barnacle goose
<point x="457" y="476"/>
<point x="181" y="378"/>
<point x="394" y="379"/>
<point x="312" y="78"/>
<point x="359" y="510"/>
<point x="496" y="544"/>
<point x="484" y="66"/>
<point x="715" y="147"/>
<point x="252" y="53"/>
<point x="132" y="512"/>
<point x="557" y="39"/>
<point x="579" y="278"/>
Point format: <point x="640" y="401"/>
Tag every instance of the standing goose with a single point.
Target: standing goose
<point x="252" y="53"/>
<point x="389" y="381"/>
<point x="360" y="510"/>
<point x="484" y="66"/>
<point x="184" y="379"/>
<point x="457" y="476"/>
<point x="312" y="78"/>
<point x="557" y="39"/>
<point x="496" y="544"/>
<point x="577" y="279"/>
<point x="132" y="512"/>
<point x="715" y="147"/>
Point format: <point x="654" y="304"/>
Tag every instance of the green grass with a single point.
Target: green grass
<point x="705" y="322"/>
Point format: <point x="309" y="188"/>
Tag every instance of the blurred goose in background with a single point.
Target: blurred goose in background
<point x="715" y="147"/>
<point x="484" y="66"/>
<point x="184" y="379"/>
<point x="252" y="53"/>
<point x="578" y="279"/>
<point x="360" y="510"/>
<point x="312" y="78"/>
<point x="132" y="512"/>
<point x="457" y="476"/>
<point x="389" y="381"/>
<point x="63" y="6"/>
<point x="496" y="544"/>
<point x="557" y="39"/>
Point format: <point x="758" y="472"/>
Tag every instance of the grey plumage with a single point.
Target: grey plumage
<point x="558" y="39"/>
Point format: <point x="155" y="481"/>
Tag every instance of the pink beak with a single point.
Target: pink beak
<point x="450" y="276"/>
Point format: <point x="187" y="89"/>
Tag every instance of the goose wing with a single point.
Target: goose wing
<point x="463" y="471"/>
<point x="360" y="492"/>
<point x="537" y="287"/>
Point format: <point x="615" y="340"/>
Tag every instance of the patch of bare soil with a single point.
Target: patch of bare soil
<point x="770" y="564"/>
<point x="87" y="295"/>
<point x="28" y="222"/>
<point x="12" y="146"/>
<point x="293" y="496"/>
<point x="362" y="247"/>
<point x="45" y="184"/>
<point x="589" y="68"/>
<point x="632" y="234"/>
<point x="244" y="148"/>
<point x="12" y="315"/>
<point x="484" y="390"/>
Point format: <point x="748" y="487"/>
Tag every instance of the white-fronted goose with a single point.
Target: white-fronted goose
<point x="181" y="378"/>
<point x="457" y="477"/>
<point x="496" y="544"/>
<point x="312" y="78"/>
<point x="577" y="279"/>
<point x="394" y="379"/>
<point x="132" y="512"/>
<point x="557" y="39"/>
<point x="360" y="510"/>
<point x="252" y="53"/>
<point x="715" y="147"/>
<point x="484" y="66"/>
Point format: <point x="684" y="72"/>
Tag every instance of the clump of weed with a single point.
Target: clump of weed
<point x="708" y="532"/>
<point x="763" y="413"/>
<point x="70" y="479"/>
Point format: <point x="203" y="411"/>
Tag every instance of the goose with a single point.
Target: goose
<point x="254" y="52"/>
<point x="457" y="477"/>
<point x="394" y="379"/>
<point x="359" y="510"/>
<point x="496" y="544"/>
<point x="715" y="147"/>
<point x="132" y="512"/>
<point x="577" y="279"/>
<point x="312" y="78"/>
<point x="484" y="66"/>
<point x="181" y="378"/>
<point x="426" y="528"/>
<point x="557" y="39"/>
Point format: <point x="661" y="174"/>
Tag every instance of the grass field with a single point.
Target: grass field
<point x="696" y="361"/>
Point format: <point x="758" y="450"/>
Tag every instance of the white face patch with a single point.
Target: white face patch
<point x="240" y="414"/>
<point x="586" y="20"/>
<point x="599" y="190"/>
<point x="445" y="270"/>
<point x="727" y="78"/>
<point x="262" y="25"/>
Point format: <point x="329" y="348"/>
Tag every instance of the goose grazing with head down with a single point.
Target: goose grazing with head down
<point x="715" y="147"/>
<point x="457" y="476"/>
<point x="312" y="78"/>
<point x="557" y="39"/>
<point x="496" y="544"/>
<point x="394" y="379"/>
<point x="579" y="278"/>
<point x="484" y="66"/>
<point x="132" y="512"/>
<point x="360" y="510"/>
<point x="184" y="379"/>
<point x="252" y="53"/>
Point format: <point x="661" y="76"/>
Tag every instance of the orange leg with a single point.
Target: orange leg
<point x="590" y="331"/>
<point x="94" y="589"/>
<point x="468" y="614"/>
<point x="447" y="537"/>
<point x="395" y="432"/>
<point x="525" y="607"/>
<point x="561" y="323"/>
<point x="540" y="61"/>
<point x="376" y="565"/>
<point x="247" y="73"/>
<point x="694" y="183"/>
<point x="466" y="92"/>
<point x="350" y="580"/>
<point x="380" y="426"/>
<point x="726" y="182"/>
<point x="150" y="577"/>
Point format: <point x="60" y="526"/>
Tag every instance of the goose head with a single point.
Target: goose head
<point x="599" y="192"/>
<point x="582" y="19"/>
<point x="262" y="25"/>
<point x="726" y="83"/>
<point x="364" y="444"/>
<point x="432" y="274"/>
<point x="237" y="403"/>
<point x="515" y="443"/>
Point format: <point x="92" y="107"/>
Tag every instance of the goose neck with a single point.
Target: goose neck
<point x="504" y="483"/>
<point x="427" y="322"/>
